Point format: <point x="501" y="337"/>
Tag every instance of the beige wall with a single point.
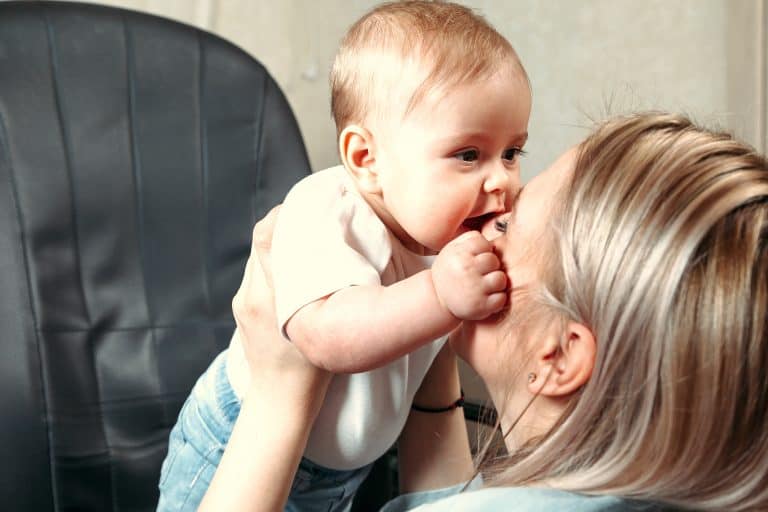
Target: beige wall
<point x="702" y="57"/>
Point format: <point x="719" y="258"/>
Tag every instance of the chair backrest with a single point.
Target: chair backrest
<point x="135" y="155"/>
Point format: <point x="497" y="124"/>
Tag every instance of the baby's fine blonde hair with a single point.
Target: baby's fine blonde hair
<point x="443" y="44"/>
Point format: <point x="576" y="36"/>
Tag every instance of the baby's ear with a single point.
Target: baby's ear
<point x="358" y="154"/>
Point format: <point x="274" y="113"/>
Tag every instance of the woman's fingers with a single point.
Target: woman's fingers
<point x="257" y="278"/>
<point x="262" y="242"/>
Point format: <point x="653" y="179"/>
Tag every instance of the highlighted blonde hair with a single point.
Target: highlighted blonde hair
<point x="663" y="253"/>
<point x="435" y="44"/>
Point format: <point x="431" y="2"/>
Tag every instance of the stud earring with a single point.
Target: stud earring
<point x="531" y="378"/>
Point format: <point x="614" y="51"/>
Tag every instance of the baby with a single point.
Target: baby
<point x="377" y="260"/>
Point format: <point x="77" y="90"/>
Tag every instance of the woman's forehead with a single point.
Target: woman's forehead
<point x="536" y="198"/>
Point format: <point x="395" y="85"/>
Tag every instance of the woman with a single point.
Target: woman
<point x="631" y="367"/>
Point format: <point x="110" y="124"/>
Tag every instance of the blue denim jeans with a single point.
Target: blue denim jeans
<point x="197" y="443"/>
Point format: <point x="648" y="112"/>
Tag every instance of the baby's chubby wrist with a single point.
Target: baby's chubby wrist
<point x="441" y="302"/>
<point x="456" y="294"/>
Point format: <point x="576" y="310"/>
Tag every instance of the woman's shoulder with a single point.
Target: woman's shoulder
<point x="517" y="499"/>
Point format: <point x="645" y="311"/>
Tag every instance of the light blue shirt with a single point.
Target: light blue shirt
<point x="512" y="499"/>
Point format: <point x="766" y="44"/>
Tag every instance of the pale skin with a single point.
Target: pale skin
<point x="434" y="451"/>
<point x="451" y="150"/>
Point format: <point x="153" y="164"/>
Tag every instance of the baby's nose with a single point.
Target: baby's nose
<point x="498" y="181"/>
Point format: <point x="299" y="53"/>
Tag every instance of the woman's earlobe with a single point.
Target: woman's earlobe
<point x="358" y="154"/>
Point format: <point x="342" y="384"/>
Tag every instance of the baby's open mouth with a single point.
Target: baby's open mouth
<point x="477" y="223"/>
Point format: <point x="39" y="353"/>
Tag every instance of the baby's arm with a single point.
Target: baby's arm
<point x="364" y="327"/>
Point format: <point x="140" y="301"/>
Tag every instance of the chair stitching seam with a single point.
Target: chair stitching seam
<point x="5" y="150"/>
<point x="220" y="323"/>
<point x="204" y="178"/>
<point x="61" y="114"/>
<point x="136" y="167"/>
<point x="259" y="138"/>
<point x="68" y="165"/>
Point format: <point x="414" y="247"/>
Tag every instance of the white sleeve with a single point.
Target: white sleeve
<point x="326" y="238"/>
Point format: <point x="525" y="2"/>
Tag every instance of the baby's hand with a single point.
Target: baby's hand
<point x="468" y="278"/>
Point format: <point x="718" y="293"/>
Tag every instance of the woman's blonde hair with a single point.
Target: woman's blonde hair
<point x="439" y="44"/>
<point x="663" y="253"/>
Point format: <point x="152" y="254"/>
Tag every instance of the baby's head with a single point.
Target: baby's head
<point x="431" y="106"/>
<point x="401" y="51"/>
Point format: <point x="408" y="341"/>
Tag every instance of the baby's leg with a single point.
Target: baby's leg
<point x="316" y="488"/>
<point x="197" y="440"/>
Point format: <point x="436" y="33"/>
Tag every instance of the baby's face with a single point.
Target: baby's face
<point x="454" y="160"/>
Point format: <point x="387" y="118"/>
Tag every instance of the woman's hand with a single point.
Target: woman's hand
<point x="280" y="406"/>
<point x="271" y="358"/>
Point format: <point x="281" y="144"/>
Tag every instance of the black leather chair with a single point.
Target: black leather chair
<point x="135" y="155"/>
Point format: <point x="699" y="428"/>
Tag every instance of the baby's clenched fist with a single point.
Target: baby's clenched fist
<point x="468" y="278"/>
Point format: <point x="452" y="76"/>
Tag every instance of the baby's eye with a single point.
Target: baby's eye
<point x="500" y="224"/>
<point x="512" y="153"/>
<point x="467" y="155"/>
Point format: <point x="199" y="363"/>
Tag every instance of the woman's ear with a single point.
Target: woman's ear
<point x="562" y="366"/>
<point x="358" y="154"/>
